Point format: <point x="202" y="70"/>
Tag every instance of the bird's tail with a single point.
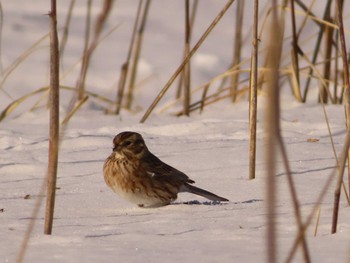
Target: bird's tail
<point x="198" y="191"/>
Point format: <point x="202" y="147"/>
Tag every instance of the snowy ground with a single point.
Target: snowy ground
<point x="92" y="224"/>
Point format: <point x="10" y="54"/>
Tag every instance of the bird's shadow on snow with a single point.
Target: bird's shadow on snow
<point x="212" y="203"/>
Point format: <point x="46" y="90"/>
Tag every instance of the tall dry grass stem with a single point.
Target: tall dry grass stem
<point x="347" y="112"/>
<point x="100" y="22"/>
<point x="1" y="26"/>
<point x="125" y="67"/>
<point x="186" y="60"/>
<point x="185" y="52"/>
<point x="327" y="60"/>
<point x="187" y="68"/>
<point x="237" y="47"/>
<point x="65" y="33"/>
<point x="137" y="52"/>
<point x="294" y="55"/>
<point x="327" y="184"/>
<point x="272" y="130"/>
<point x="316" y="49"/>
<point x="54" y="121"/>
<point x="85" y="61"/>
<point x="253" y="93"/>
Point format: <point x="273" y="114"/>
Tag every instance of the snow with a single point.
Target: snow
<point x="92" y="224"/>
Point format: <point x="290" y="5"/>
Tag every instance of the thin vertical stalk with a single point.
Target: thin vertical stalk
<point x="253" y="95"/>
<point x="187" y="68"/>
<point x="1" y="26"/>
<point x="85" y="62"/>
<point x="185" y="61"/>
<point x="316" y="49"/>
<point x="66" y="29"/>
<point x="347" y="112"/>
<point x="237" y="48"/>
<point x="192" y="18"/>
<point x="336" y="68"/>
<point x="139" y="39"/>
<point x="295" y="51"/>
<point x="272" y="129"/>
<point x="101" y="20"/>
<point x="54" y="121"/>
<point x="125" y="66"/>
<point x="328" y="60"/>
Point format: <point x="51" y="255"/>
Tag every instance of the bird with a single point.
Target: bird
<point x="138" y="176"/>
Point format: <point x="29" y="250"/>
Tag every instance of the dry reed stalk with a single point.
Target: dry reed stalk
<point x="185" y="61"/>
<point x="187" y="68"/>
<point x="327" y="60"/>
<point x="238" y="46"/>
<point x="316" y="49"/>
<point x="125" y="67"/>
<point x="295" y="202"/>
<point x="192" y="18"/>
<point x="101" y="20"/>
<point x="65" y="33"/>
<point x="253" y="93"/>
<point x="336" y="68"/>
<point x="317" y="221"/>
<point x="272" y="129"/>
<point x="308" y="13"/>
<point x="85" y="61"/>
<point x="328" y="183"/>
<point x="347" y="112"/>
<point x="54" y="121"/>
<point x="1" y="26"/>
<point x="137" y="52"/>
<point x="295" y="58"/>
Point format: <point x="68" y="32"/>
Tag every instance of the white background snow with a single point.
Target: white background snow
<point x="91" y="223"/>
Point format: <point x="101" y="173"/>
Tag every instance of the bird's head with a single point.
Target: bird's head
<point x="130" y="144"/>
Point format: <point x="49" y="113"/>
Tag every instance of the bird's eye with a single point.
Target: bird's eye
<point x="127" y="143"/>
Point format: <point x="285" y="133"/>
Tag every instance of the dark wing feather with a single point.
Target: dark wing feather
<point x="163" y="171"/>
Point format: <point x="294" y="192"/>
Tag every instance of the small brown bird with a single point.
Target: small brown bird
<point x="134" y="173"/>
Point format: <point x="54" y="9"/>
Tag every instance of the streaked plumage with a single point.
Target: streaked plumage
<point x="137" y="175"/>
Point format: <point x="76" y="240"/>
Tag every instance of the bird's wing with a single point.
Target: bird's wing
<point x="162" y="171"/>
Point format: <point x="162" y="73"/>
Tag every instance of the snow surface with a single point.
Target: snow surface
<point x="91" y="223"/>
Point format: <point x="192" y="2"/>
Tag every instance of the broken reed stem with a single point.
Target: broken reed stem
<point x="185" y="61"/>
<point x="347" y="112"/>
<point x="272" y="129"/>
<point x="321" y="196"/>
<point x="137" y="52"/>
<point x="54" y="121"/>
<point x="187" y="68"/>
<point x="253" y="93"/>
<point x="125" y="66"/>
<point x="237" y="47"/>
